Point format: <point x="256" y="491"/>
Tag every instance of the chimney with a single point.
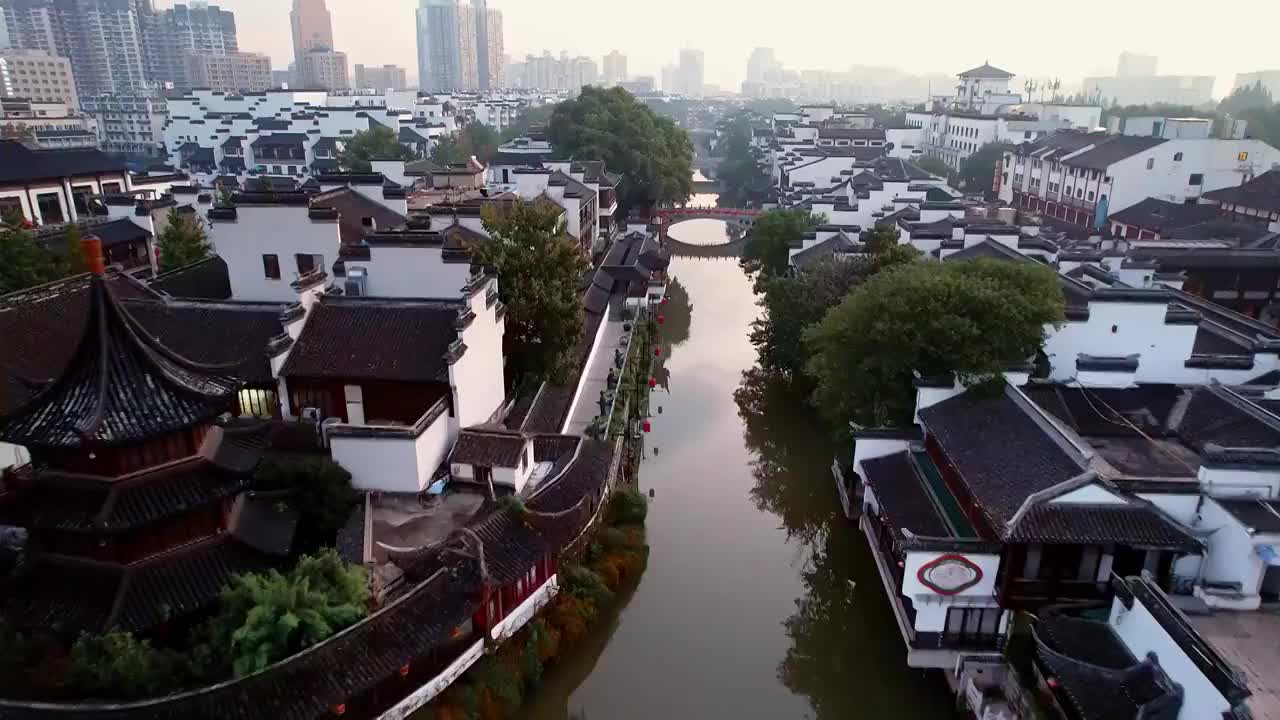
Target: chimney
<point x="91" y="246"/>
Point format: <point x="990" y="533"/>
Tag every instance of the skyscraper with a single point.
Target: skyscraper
<point x="439" y="45"/>
<point x="312" y="28"/>
<point x="1136" y="65"/>
<point x="490" y="57"/>
<point x="689" y="73"/>
<point x="761" y="64"/>
<point x="615" y="68"/>
<point x="460" y="47"/>
<point x="173" y="34"/>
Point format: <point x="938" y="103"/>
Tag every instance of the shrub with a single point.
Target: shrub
<point x="612" y="538"/>
<point x="630" y="507"/>
<point x="583" y="584"/>
<point x="323" y="492"/>
<point x="119" y="665"/>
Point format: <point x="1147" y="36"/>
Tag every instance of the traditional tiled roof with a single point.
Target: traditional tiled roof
<point x="280" y="139"/>
<point x="490" y="447"/>
<point x="120" y="386"/>
<point x="903" y="500"/>
<point x="1133" y="524"/>
<point x="1215" y="416"/>
<point x="19" y="163"/>
<point x="368" y="339"/>
<point x="216" y="332"/>
<point x="353" y="207"/>
<point x="1000" y="452"/>
<point x="207" y="279"/>
<point x="1258" y="516"/>
<point x="837" y="244"/>
<point x="1112" y="149"/>
<point x="1261" y="193"/>
<point x="985" y="70"/>
<point x="1162" y="215"/>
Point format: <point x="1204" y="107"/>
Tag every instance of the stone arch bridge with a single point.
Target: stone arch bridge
<point x="742" y="220"/>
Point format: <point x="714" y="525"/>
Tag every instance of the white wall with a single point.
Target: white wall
<point x="1229" y="482"/>
<point x="411" y="272"/>
<point x="12" y="455"/>
<point x="281" y="230"/>
<point x="1089" y="495"/>
<point x="1168" y="179"/>
<point x="1139" y="329"/>
<point x="1142" y="634"/>
<point x="477" y="377"/>
<point x="394" y="464"/>
<point x="931" y="608"/>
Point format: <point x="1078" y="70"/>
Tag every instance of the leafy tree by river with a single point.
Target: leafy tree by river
<point x="739" y="176"/>
<point x="651" y="151"/>
<point x="770" y="240"/>
<point x="794" y="303"/>
<point x="972" y="318"/>
<point x="538" y="269"/>
<point x="475" y="139"/>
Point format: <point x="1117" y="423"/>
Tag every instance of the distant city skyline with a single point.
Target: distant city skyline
<point x="1186" y="44"/>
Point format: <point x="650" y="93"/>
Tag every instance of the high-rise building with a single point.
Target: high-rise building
<point x="173" y="34"/>
<point x="281" y="78"/>
<point x="440" y="45"/>
<point x="323" y="68"/>
<point x="373" y="77"/>
<point x="1135" y="65"/>
<point x="312" y="28"/>
<point x="615" y="68"/>
<point x="490" y="56"/>
<point x="689" y="73"/>
<point x="38" y="76"/>
<point x="460" y="47"/>
<point x="231" y="72"/>
<point x="762" y="65"/>
<point x="669" y="79"/>
<point x="103" y="39"/>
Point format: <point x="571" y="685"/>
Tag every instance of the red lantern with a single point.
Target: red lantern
<point x="664" y="299"/>
<point x="340" y="709"/>
<point x="646" y="426"/>
<point x="662" y="319"/>
<point x="404" y="670"/>
<point x="653" y="383"/>
<point x="657" y="351"/>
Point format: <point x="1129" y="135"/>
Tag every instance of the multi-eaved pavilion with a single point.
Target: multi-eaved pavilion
<point x="134" y="501"/>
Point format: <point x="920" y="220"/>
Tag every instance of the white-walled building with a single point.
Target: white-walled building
<point x="1080" y="178"/>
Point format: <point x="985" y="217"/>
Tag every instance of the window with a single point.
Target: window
<point x="1026" y="135"/>
<point x="1196" y="179"/>
<point x="110" y="187"/>
<point x="1242" y="156"/>
<point x="1089" y="196"/>
<point x="1151" y="163"/>
<point x="50" y="208"/>
<point x="271" y="266"/>
<point x="1177" y="157"/>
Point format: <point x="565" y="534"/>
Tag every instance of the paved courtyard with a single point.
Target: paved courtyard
<point x="1251" y="642"/>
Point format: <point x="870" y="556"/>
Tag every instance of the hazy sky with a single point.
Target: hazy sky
<point x="1036" y="38"/>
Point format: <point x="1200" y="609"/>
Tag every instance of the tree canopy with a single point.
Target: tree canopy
<point x="977" y="172"/>
<point x="652" y="152"/>
<point x="24" y="262"/>
<point x="534" y="116"/>
<point x="539" y="268"/>
<point x="266" y="617"/>
<point x="322" y="494"/>
<point x="184" y="240"/>
<point x="972" y="318"/>
<point x="475" y="139"/>
<point x="933" y="165"/>
<point x="378" y="142"/>
<point x="794" y="303"/>
<point x="770" y="239"/>
<point x="740" y="178"/>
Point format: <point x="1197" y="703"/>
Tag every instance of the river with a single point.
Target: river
<point x="760" y="599"/>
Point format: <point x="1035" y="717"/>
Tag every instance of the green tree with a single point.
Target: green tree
<point x="72" y="253"/>
<point x="377" y="142"/>
<point x="770" y="239"/>
<point x="265" y="617"/>
<point x="971" y="318"/>
<point x="978" y="171"/>
<point x="184" y="240"/>
<point x="23" y="262"/>
<point x="475" y="139"/>
<point x="794" y="303"/>
<point x="529" y="119"/>
<point x="539" y="268"/>
<point x="119" y="665"/>
<point x="933" y="165"/>
<point x="651" y="151"/>
<point x="322" y="494"/>
<point x="1245" y="98"/>
<point x="740" y="177"/>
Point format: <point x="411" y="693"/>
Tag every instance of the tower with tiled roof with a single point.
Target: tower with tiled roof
<point x="133" y="501"/>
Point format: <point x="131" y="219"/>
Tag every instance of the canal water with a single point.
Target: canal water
<point x="760" y="599"/>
